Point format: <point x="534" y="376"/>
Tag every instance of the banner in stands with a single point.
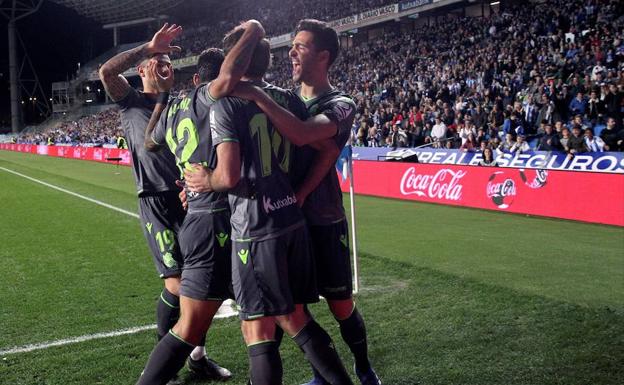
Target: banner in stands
<point x="405" y="5"/>
<point x="345" y="22"/>
<point x="98" y="154"/>
<point x="281" y="40"/>
<point x="378" y="13"/>
<point x="612" y="162"/>
<point x="589" y="197"/>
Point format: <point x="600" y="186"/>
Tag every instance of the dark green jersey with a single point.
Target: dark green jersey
<point x="154" y="172"/>
<point x="263" y="203"/>
<point x="324" y="205"/>
<point x="184" y="127"/>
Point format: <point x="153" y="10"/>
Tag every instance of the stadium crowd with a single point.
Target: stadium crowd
<point x="551" y="74"/>
<point x="278" y="21"/>
<point x="98" y="129"/>
<point x="544" y="77"/>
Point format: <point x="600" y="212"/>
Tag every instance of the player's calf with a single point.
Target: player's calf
<point x="265" y="363"/>
<point x="316" y="344"/>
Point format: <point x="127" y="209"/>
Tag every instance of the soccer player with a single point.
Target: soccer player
<point x="204" y="235"/>
<point x="272" y="270"/>
<point x="155" y="174"/>
<point x="315" y="48"/>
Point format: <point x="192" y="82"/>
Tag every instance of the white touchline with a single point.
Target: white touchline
<point x="226" y="310"/>
<point x="89" y="337"/>
<point x="97" y="202"/>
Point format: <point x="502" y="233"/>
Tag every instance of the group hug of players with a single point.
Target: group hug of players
<point x="260" y="218"/>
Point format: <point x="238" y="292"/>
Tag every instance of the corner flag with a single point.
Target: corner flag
<point x="344" y="167"/>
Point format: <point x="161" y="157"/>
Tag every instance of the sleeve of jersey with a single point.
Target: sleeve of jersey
<point x="222" y="124"/>
<point x="341" y="112"/>
<point x="158" y="135"/>
<point x="129" y="100"/>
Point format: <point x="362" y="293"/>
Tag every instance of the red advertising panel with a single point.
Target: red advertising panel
<point x="98" y="154"/>
<point x="582" y="196"/>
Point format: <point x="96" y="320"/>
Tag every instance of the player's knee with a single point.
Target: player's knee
<point x="262" y="329"/>
<point x="341" y="309"/>
<point x="293" y="323"/>
<point x="173" y="285"/>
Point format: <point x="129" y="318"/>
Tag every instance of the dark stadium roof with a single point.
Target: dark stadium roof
<point x="113" y="11"/>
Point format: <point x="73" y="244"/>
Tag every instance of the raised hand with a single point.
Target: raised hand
<point x="161" y="42"/>
<point x="252" y="23"/>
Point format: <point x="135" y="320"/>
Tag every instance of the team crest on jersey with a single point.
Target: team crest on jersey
<point x="169" y="261"/>
<point x="342" y="110"/>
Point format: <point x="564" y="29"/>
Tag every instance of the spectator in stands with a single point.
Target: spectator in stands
<point x="470" y="144"/>
<point x="594" y="108"/>
<point x="549" y="141"/>
<point x="576" y="143"/>
<point x="488" y="158"/>
<point x="508" y="143"/>
<point x="531" y="111"/>
<point x="593" y="143"/>
<point x="547" y="113"/>
<point x="578" y="104"/>
<point x="520" y="146"/>
<point x="611" y="136"/>
<point x="438" y="131"/>
<point x="564" y="139"/>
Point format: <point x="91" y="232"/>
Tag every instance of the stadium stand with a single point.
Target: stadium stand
<point x="556" y="63"/>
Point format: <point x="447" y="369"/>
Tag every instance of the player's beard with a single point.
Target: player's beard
<point x="297" y="72"/>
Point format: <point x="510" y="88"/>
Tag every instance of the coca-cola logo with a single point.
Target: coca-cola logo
<point x="444" y="184"/>
<point x="538" y="179"/>
<point x="501" y="190"/>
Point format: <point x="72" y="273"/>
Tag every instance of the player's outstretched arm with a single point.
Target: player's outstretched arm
<point x="224" y="177"/>
<point x="164" y="84"/>
<point x="237" y="60"/>
<point x="326" y="156"/>
<point x="115" y="84"/>
<point x="297" y="131"/>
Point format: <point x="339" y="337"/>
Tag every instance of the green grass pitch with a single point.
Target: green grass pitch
<point x="450" y="295"/>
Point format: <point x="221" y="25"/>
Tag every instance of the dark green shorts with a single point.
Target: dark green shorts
<point x="330" y="245"/>
<point x="271" y="276"/>
<point x="161" y="216"/>
<point x="206" y="249"/>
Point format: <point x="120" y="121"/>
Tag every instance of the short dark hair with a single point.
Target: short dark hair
<point x="261" y="58"/>
<point x="325" y="37"/>
<point x="209" y="64"/>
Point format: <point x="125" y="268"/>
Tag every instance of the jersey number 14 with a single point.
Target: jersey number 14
<point x="270" y="143"/>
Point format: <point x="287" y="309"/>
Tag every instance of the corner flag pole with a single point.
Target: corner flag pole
<point x="356" y="273"/>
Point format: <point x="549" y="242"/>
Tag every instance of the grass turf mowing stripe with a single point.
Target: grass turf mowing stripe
<point x="97" y="202"/>
<point x="224" y="311"/>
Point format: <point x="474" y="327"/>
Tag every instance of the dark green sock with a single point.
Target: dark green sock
<point x="167" y="312"/>
<point x="319" y="349"/>
<point x="353" y="332"/>
<point x="265" y="363"/>
<point x="166" y="360"/>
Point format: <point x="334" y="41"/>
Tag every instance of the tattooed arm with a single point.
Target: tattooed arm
<point x="155" y="130"/>
<point x="111" y="76"/>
